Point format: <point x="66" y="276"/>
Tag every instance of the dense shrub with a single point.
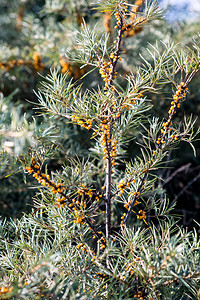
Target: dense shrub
<point x="98" y="154"/>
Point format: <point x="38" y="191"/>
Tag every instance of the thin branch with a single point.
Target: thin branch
<point x="182" y="168"/>
<point x="108" y="186"/>
<point x="186" y="187"/>
<point x="194" y="72"/>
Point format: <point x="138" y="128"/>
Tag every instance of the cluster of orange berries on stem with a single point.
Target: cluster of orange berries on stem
<point x="86" y="123"/>
<point x="73" y="70"/>
<point x="131" y="101"/>
<point x="122" y="25"/>
<point x="118" y="17"/>
<point x="84" y="191"/>
<point x="130" y="268"/>
<point x="113" y="152"/>
<point x="175" y="104"/>
<point x="142" y="215"/>
<point x="38" y="65"/>
<point x="81" y="246"/>
<point x="129" y="17"/>
<point x="122" y="185"/>
<point x="127" y="205"/>
<point x="12" y="63"/>
<point x="5" y="290"/>
<point x="138" y="296"/>
<point x="44" y="179"/>
<point x="105" y="139"/>
<point x="79" y="216"/>
<point x="105" y="69"/>
<point x="101" y="241"/>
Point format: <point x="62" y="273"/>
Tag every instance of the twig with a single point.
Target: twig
<point x="186" y="187"/>
<point x="182" y="168"/>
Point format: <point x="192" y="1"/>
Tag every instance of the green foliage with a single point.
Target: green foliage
<point x="41" y="258"/>
<point x="101" y="224"/>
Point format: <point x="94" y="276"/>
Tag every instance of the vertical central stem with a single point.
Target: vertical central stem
<point x="113" y="59"/>
<point x="108" y="184"/>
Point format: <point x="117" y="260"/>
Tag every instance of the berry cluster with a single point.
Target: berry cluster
<point x="4" y="290"/>
<point x="79" y="217"/>
<point x="66" y="67"/>
<point x="84" y="191"/>
<point x="138" y="296"/>
<point x="133" y="101"/>
<point x="130" y="24"/>
<point x="113" y="152"/>
<point x="75" y="206"/>
<point x="107" y="23"/>
<point x="72" y="69"/>
<point x="142" y="215"/>
<point x="82" y="246"/>
<point x="118" y="16"/>
<point x="36" y="63"/>
<point x="122" y="186"/>
<point x="45" y="180"/>
<point x="130" y="268"/>
<point x="127" y="205"/>
<point x="86" y="123"/>
<point x="175" y="104"/>
<point x="106" y="70"/>
<point x="110" y="147"/>
<point x="130" y="29"/>
<point x="11" y="64"/>
<point x="102" y="242"/>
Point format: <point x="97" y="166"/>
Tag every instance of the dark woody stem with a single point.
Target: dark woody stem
<point x="108" y="186"/>
<point x="114" y="61"/>
<point x="117" y="51"/>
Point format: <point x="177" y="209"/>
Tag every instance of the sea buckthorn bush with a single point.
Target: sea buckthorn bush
<point x="101" y="226"/>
